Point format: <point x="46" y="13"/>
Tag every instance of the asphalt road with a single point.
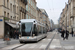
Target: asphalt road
<point x="40" y="45"/>
<point x="52" y="42"/>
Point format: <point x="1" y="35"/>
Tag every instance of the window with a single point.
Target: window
<point x="4" y="2"/>
<point x="14" y="17"/>
<point x="35" y="30"/>
<point x="11" y="17"/>
<point x="10" y="6"/>
<point x="29" y="1"/>
<point x="17" y="18"/>
<point x="27" y="7"/>
<point x="26" y="29"/>
<point x="4" y="14"/>
<point x="26" y="16"/>
<point x="7" y="3"/>
<point x="13" y="8"/>
<point x="17" y="9"/>
<point x="22" y="15"/>
<point x="8" y="15"/>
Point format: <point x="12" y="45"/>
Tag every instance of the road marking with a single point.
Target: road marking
<point x="55" y="46"/>
<point x="12" y="46"/>
<point x="43" y="46"/>
<point x="33" y="46"/>
<point x="68" y="47"/>
<point x="46" y="39"/>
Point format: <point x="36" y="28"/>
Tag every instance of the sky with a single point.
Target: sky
<point x="52" y="7"/>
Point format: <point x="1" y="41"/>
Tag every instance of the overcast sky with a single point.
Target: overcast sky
<point x="52" y="7"/>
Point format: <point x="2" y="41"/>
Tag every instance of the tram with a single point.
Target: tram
<point x="31" y="30"/>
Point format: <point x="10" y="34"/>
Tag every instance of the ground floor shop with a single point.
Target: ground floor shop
<point x="7" y="28"/>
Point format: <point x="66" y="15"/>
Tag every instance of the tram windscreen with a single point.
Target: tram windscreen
<point x="26" y="29"/>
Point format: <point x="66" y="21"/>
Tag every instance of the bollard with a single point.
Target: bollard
<point x="7" y="39"/>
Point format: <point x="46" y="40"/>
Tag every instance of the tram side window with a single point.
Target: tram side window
<point x="23" y="27"/>
<point x="35" y="30"/>
<point x="43" y="30"/>
<point x="39" y="30"/>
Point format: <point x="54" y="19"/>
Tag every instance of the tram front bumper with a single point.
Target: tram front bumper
<point x="24" y="39"/>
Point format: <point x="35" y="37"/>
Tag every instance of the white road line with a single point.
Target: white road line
<point x="46" y="39"/>
<point x="12" y="46"/>
<point x="43" y="46"/>
<point x="49" y="39"/>
<point x="55" y="46"/>
<point x="68" y="47"/>
<point x="33" y="46"/>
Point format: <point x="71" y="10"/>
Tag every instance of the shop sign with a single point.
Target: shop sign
<point x="1" y="20"/>
<point x="6" y="18"/>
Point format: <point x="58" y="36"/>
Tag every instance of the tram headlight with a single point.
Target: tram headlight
<point x="33" y="35"/>
<point x="20" y="36"/>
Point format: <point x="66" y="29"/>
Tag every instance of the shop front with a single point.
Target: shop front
<point x="9" y="29"/>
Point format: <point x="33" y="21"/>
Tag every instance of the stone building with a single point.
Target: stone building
<point x="9" y="15"/>
<point x="31" y="9"/>
<point x="43" y="17"/>
<point x="69" y="15"/>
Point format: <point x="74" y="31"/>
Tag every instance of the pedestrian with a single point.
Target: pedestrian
<point x="62" y="34"/>
<point x="17" y="34"/>
<point x="72" y="32"/>
<point x="67" y="34"/>
<point x="14" y="34"/>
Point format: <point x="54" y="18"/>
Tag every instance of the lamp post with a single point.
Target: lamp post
<point x="66" y="22"/>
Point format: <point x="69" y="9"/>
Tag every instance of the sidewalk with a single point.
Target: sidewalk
<point x="11" y="40"/>
<point x="68" y="44"/>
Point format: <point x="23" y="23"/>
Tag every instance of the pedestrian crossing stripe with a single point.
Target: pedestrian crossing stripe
<point x="43" y="46"/>
<point x="55" y="46"/>
<point x="68" y="47"/>
<point x="33" y="46"/>
<point x="46" y="39"/>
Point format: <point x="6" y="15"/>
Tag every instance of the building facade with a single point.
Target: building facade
<point x="68" y="15"/>
<point x="43" y="17"/>
<point x="9" y="15"/>
<point x="31" y="9"/>
<point x="11" y="11"/>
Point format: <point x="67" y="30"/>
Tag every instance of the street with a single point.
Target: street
<point x="52" y="42"/>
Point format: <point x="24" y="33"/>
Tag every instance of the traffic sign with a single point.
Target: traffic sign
<point x="1" y="20"/>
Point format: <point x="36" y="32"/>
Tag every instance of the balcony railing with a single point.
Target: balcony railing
<point x="24" y="1"/>
<point x="23" y="10"/>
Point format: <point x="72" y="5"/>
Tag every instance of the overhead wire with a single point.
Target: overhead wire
<point x="52" y="7"/>
<point x="48" y="5"/>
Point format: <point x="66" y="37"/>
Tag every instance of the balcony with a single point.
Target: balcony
<point x="24" y="1"/>
<point x="72" y="17"/>
<point x="23" y="10"/>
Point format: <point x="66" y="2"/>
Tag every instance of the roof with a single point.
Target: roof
<point x="44" y="12"/>
<point x="28" y="20"/>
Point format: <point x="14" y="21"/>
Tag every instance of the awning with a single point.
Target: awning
<point x="12" y="25"/>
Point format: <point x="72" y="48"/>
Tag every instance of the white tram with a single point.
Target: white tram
<point x="31" y="30"/>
